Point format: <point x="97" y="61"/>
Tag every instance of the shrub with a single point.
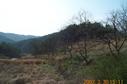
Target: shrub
<point x="109" y="68"/>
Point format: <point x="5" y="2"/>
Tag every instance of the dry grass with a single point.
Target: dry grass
<point x="22" y="61"/>
<point x="30" y="71"/>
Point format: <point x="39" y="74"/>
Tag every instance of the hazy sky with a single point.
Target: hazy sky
<point x="41" y="17"/>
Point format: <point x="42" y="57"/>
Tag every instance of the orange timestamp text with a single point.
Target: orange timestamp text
<point x="103" y="82"/>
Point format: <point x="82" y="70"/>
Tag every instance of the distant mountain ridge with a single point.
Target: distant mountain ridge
<point x="10" y="37"/>
<point x="5" y="39"/>
<point x="25" y="45"/>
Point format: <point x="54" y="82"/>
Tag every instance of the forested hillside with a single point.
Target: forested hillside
<point x="14" y="37"/>
<point x="5" y="39"/>
<point x="71" y="34"/>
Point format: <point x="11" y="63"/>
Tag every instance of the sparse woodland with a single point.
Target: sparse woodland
<point x="82" y="50"/>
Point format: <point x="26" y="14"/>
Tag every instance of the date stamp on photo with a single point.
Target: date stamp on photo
<point x="103" y="82"/>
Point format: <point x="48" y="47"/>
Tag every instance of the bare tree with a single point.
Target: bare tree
<point x="117" y="38"/>
<point x="83" y="18"/>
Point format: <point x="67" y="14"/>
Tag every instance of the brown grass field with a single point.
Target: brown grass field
<point x="28" y="71"/>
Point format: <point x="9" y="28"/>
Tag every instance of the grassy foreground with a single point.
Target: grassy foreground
<point x="63" y="70"/>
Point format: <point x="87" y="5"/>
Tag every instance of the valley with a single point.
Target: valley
<point x="84" y="49"/>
